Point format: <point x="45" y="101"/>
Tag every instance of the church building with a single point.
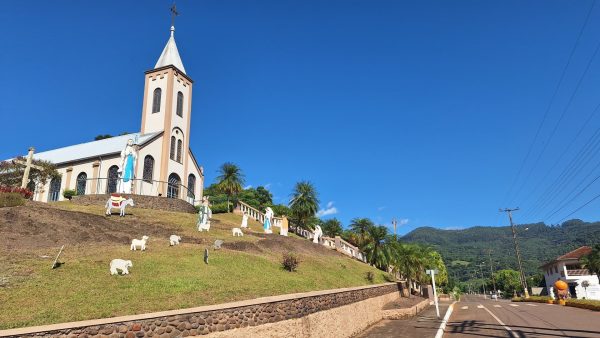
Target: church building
<point x="163" y="163"/>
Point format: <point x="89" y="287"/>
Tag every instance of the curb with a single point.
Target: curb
<point x="440" y="331"/>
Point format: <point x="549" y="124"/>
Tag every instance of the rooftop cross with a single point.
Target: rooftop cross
<point x="174" y="13"/>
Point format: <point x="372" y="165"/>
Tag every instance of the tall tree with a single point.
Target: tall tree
<point x="332" y="227"/>
<point x="592" y="261"/>
<point x="375" y="248"/>
<point x="361" y="227"/>
<point x="304" y="203"/>
<point x="230" y="180"/>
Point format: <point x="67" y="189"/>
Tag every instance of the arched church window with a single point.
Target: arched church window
<point x="179" y="148"/>
<point x="172" y="152"/>
<point x="54" y="191"/>
<point x="180" y="104"/>
<point x="156" y="100"/>
<point x="191" y="186"/>
<point x="173" y="186"/>
<point x="113" y="179"/>
<point x="148" y="168"/>
<point x="81" y="183"/>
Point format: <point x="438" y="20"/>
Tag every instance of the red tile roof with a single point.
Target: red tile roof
<point x="576" y="254"/>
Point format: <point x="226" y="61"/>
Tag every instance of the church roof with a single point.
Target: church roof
<point x="170" y="54"/>
<point x="93" y="149"/>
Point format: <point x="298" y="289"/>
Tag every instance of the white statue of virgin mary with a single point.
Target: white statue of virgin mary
<point x="128" y="159"/>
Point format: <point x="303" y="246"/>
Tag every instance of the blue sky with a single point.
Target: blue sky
<point x="422" y="110"/>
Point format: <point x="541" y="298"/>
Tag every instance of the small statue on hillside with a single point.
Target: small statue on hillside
<point x="268" y="220"/>
<point x="244" y="220"/>
<point x="204" y="215"/>
<point x="128" y="159"/>
<point x="317" y="234"/>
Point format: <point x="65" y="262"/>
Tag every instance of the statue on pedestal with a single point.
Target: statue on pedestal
<point x="317" y="234"/>
<point x="204" y="215"/>
<point x="128" y="159"/>
<point x="244" y="220"/>
<point x="268" y="220"/>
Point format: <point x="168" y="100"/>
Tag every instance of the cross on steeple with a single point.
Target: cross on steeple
<point x="174" y="13"/>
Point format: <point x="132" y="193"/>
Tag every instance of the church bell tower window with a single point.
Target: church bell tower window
<point x="180" y="104"/>
<point x="156" y="100"/>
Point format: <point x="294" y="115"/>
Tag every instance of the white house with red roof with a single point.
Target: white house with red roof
<point x="569" y="269"/>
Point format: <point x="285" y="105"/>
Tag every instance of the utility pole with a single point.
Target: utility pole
<point x="514" y="232"/>
<point x="395" y="223"/>
<point x="482" y="280"/>
<point x="492" y="273"/>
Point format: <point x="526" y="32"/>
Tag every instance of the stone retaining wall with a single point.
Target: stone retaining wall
<point x="141" y="201"/>
<point x="406" y="312"/>
<point x="211" y="319"/>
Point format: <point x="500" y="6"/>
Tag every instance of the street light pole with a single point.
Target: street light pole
<point x="514" y="232"/>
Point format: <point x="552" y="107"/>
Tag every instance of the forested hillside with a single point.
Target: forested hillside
<point x="463" y="250"/>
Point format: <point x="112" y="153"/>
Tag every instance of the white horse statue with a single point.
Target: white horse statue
<point x="118" y="203"/>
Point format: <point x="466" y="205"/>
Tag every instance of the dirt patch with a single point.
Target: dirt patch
<point x="36" y="225"/>
<point x="242" y="246"/>
<point x="300" y="246"/>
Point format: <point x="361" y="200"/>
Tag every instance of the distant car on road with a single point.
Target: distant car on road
<point x="494" y="296"/>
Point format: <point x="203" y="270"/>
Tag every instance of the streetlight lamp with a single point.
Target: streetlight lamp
<point x="514" y="232"/>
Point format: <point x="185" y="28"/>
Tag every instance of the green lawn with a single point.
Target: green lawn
<point x="162" y="277"/>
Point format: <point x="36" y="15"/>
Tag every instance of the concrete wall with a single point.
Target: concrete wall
<point x="329" y="313"/>
<point x="143" y="202"/>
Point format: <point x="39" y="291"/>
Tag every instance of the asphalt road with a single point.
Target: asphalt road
<point x="474" y="316"/>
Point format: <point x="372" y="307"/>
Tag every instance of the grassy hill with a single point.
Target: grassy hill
<point x="162" y="277"/>
<point x="464" y="249"/>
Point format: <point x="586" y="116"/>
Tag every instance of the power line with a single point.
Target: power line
<point x="553" y="97"/>
<point x="545" y="146"/>
<point x="581" y="207"/>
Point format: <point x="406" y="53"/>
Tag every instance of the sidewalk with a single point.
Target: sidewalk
<point x="425" y="324"/>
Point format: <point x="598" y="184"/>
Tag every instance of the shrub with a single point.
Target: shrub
<point x="370" y="276"/>
<point x="290" y="262"/>
<point x="10" y="199"/>
<point x="584" y="304"/>
<point x="69" y="193"/>
<point x="534" y="299"/>
<point x="217" y="208"/>
<point x="25" y="193"/>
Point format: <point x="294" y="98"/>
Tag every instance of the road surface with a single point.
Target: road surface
<point x="474" y="316"/>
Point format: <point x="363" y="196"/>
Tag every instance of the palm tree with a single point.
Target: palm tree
<point x="332" y="227"/>
<point x="304" y="203"/>
<point x="230" y="180"/>
<point x="361" y="226"/>
<point x="592" y="260"/>
<point x="406" y="262"/>
<point x="375" y="247"/>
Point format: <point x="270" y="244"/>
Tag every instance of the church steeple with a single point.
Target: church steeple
<point x="170" y="54"/>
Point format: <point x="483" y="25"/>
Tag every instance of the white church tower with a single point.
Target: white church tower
<point x="167" y="108"/>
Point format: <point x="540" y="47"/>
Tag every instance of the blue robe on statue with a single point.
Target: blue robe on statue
<point x="267" y="224"/>
<point x="128" y="170"/>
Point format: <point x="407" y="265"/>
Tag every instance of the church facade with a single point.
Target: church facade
<point x="163" y="163"/>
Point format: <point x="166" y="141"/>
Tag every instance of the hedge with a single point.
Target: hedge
<point x="584" y="304"/>
<point x="11" y="199"/>
<point x="534" y="299"/>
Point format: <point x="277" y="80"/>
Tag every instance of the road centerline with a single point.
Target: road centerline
<point x="498" y="320"/>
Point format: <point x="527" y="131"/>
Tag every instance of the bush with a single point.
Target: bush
<point x="25" y="193"/>
<point x="219" y="208"/>
<point x="69" y="193"/>
<point x="10" y="199"/>
<point x="584" y="304"/>
<point x="370" y="276"/>
<point x="534" y="299"/>
<point x="290" y="262"/>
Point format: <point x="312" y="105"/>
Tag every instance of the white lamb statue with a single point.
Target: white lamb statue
<point x="237" y="232"/>
<point x="174" y="240"/>
<point x="139" y="242"/>
<point x="120" y="264"/>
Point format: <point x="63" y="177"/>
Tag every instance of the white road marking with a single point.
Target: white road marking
<point x="496" y="305"/>
<point x="480" y="306"/>
<point x="500" y="322"/>
<point x="465" y="308"/>
<point x="440" y="331"/>
<point x="531" y="304"/>
<point x="515" y="305"/>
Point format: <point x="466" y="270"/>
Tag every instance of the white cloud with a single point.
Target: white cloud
<point x="381" y="208"/>
<point x="267" y="186"/>
<point x="330" y="210"/>
<point x="403" y="221"/>
<point x="453" y="228"/>
<point x="248" y="187"/>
